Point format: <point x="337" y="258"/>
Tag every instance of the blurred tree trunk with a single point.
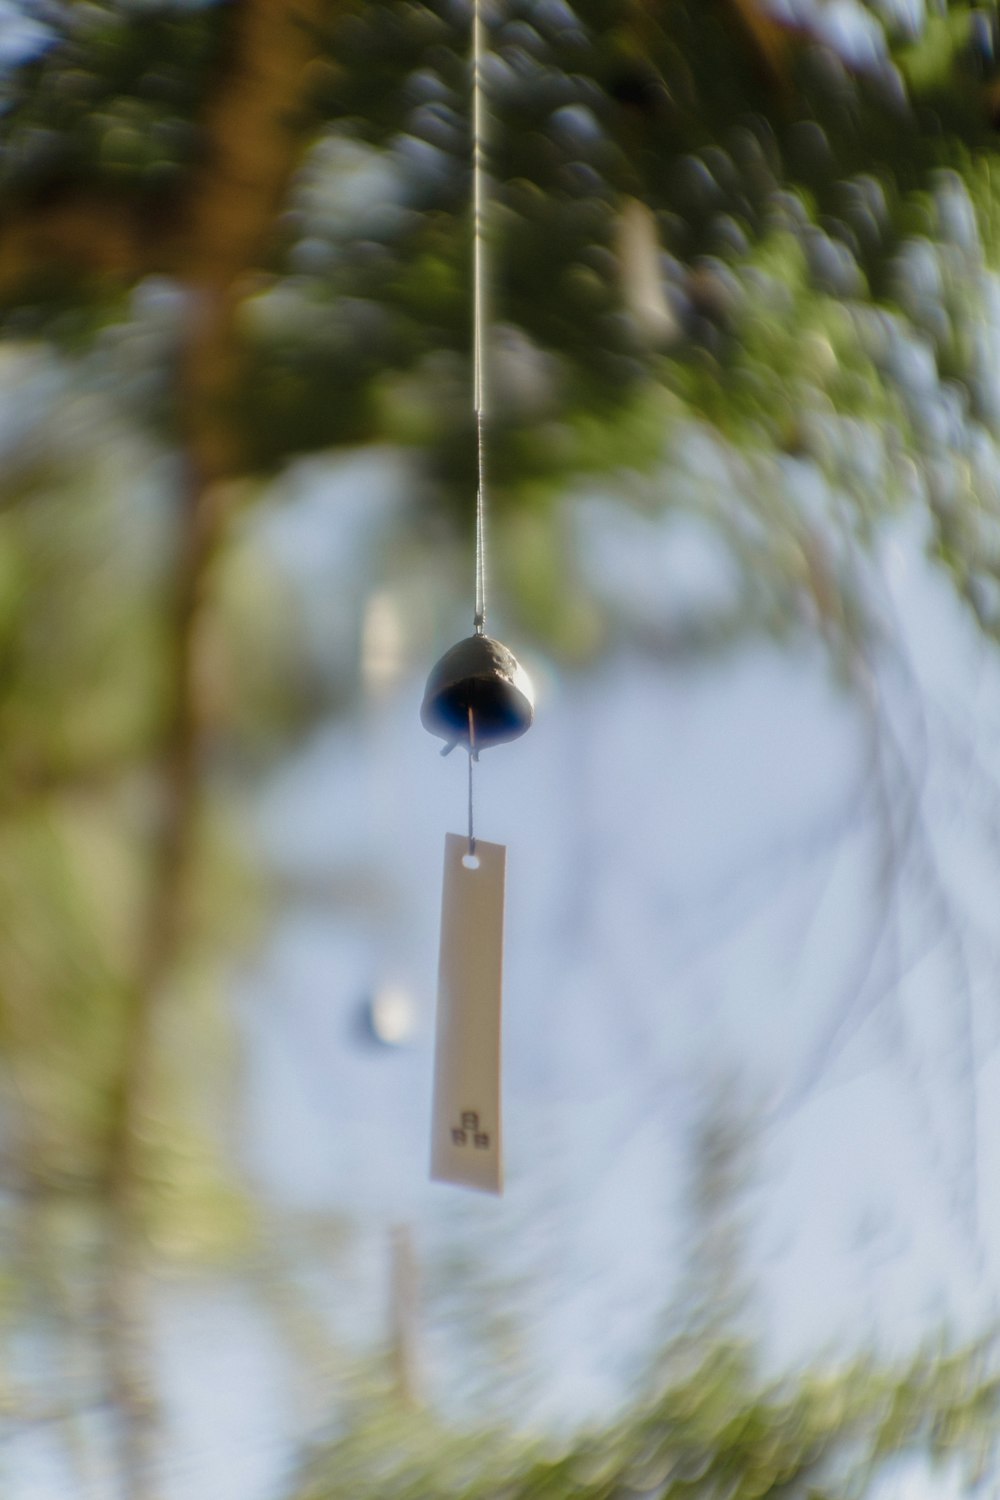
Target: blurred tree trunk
<point x="255" y="131"/>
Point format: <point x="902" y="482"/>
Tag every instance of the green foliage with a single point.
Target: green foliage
<point x="826" y="236"/>
<point x="716" y="1427"/>
<point x="708" y="1421"/>
<point x="110" y="99"/>
<point x="820" y="253"/>
<point x="85" y="559"/>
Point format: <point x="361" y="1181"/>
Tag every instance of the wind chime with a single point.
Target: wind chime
<point x="477" y="696"/>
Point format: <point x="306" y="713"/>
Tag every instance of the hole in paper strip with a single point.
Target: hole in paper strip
<point x="470" y="861"/>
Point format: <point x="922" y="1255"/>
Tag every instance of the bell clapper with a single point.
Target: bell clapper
<point x="473" y="756"/>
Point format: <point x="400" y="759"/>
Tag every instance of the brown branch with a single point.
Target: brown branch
<point x="404" y="1318"/>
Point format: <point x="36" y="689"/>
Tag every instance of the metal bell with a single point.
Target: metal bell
<point x="477" y="680"/>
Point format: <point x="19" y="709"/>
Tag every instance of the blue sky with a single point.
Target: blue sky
<point x="717" y="872"/>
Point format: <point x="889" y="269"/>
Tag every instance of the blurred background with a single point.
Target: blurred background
<point x="744" y="529"/>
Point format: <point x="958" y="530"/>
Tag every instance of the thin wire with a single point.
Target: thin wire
<point x="472" y="757"/>
<point x="478" y="351"/>
<point x="479" y="302"/>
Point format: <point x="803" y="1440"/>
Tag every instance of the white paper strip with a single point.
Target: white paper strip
<point x="466" y="1143"/>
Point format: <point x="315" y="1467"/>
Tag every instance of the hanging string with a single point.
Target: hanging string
<point x="479" y="301"/>
<point x="478" y="349"/>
